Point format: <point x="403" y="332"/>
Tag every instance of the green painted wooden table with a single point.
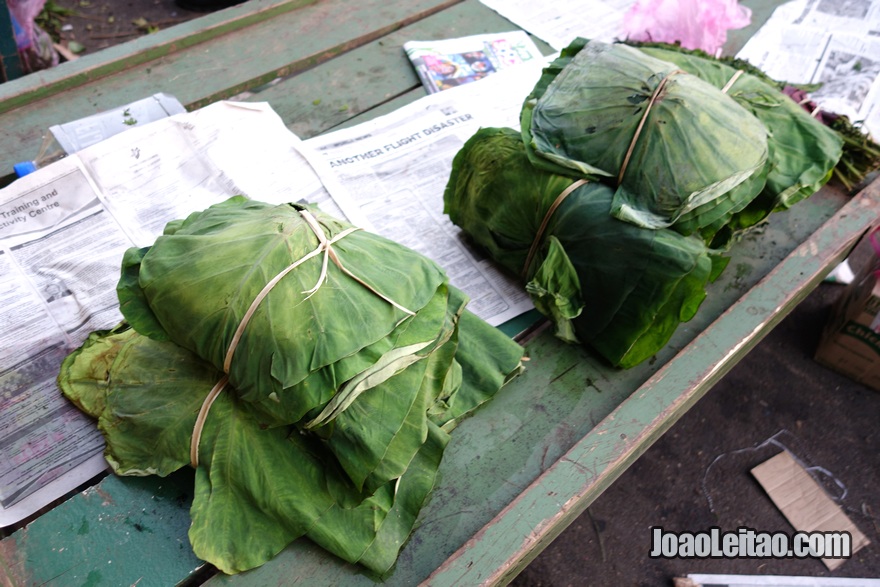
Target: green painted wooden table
<point x="524" y="466"/>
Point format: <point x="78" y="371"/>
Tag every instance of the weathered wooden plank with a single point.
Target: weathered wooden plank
<point x="319" y="99"/>
<point x="219" y="67"/>
<point x="517" y="534"/>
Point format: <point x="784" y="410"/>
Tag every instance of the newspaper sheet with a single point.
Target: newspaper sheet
<point x="452" y="62"/>
<point x="78" y="134"/>
<point x="395" y="167"/>
<point x="558" y="23"/>
<point x="63" y="231"/>
<point x="832" y="42"/>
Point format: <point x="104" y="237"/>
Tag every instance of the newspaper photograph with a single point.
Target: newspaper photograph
<point x="448" y="63"/>
<point x="834" y="43"/>
<point x="394" y="169"/>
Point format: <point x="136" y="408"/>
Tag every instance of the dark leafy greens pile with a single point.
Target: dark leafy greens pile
<point x="633" y="173"/>
<point x="344" y="381"/>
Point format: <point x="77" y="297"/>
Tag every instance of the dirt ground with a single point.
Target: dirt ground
<point x="87" y="26"/>
<point x="698" y="474"/>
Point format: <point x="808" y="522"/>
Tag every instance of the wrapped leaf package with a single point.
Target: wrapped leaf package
<point x="310" y="372"/>
<point x="670" y="143"/>
<point x="618" y="287"/>
<point x="197" y="282"/>
<point x="635" y="169"/>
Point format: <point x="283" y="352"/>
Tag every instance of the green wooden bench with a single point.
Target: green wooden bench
<point x="519" y="471"/>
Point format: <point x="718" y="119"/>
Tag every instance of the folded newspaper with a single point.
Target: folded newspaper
<point x="448" y="63"/>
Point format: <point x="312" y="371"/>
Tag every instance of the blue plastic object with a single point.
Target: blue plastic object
<point x="23" y="168"/>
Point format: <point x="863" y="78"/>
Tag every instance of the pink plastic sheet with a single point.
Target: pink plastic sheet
<point x="695" y="24"/>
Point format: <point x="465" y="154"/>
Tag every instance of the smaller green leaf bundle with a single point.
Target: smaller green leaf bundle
<point x="717" y="150"/>
<point x="860" y="154"/>
<point x="634" y="170"/>
<point x="347" y="373"/>
<point x="605" y="282"/>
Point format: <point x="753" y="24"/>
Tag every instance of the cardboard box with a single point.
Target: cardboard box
<point x="850" y="343"/>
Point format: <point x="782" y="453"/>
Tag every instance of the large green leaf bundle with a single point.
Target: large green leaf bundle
<point x="620" y="288"/>
<point x="340" y="397"/>
<point x="674" y="154"/>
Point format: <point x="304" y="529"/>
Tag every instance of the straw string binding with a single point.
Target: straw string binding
<point x="536" y="243"/>
<point x="732" y="81"/>
<point x="651" y="102"/>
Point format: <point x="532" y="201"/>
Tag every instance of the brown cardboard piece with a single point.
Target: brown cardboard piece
<point x="850" y="342"/>
<point x="804" y="502"/>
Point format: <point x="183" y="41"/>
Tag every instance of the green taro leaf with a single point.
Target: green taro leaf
<point x="589" y="116"/>
<point x="257" y="489"/>
<point x="201" y="277"/>
<point x="802" y="151"/>
<point x="381" y="452"/>
<point x="487" y="362"/>
<point x="132" y="301"/>
<point x="555" y="290"/>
